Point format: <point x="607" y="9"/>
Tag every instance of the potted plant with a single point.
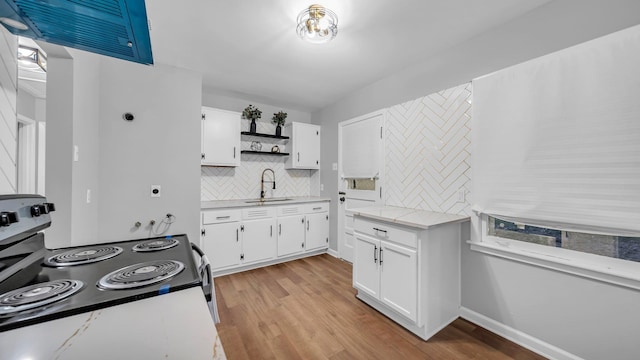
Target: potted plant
<point x="251" y="113"/>
<point x="279" y="119"/>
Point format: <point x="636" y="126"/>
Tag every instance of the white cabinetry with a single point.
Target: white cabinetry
<point x="237" y="239"/>
<point x="221" y="238"/>
<point x="258" y="234"/>
<point x="305" y="146"/>
<point x="220" y="137"/>
<point x="317" y="232"/>
<point x="290" y="234"/>
<point x="411" y="275"/>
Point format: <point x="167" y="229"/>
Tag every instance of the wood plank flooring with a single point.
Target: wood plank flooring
<point x="307" y="309"/>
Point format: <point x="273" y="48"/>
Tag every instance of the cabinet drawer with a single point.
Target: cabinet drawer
<point x="258" y="212"/>
<point x="317" y="207"/>
<point x="220" y="216"/>
<point x="386" y="231"/>
<point x="290" y="210"/>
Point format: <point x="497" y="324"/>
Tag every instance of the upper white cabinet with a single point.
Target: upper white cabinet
<point x="220" y="137"/>
<point x="305" y="146"/>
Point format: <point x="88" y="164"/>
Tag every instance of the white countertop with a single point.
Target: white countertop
<point x="409" y="217"/>
<point x="220" y="204"/>
<point x="176" y="325"/>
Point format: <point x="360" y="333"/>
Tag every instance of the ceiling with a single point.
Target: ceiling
<point x="250" y="48"/>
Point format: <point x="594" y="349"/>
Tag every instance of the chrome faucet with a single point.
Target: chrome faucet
<point x="262" y="182"/>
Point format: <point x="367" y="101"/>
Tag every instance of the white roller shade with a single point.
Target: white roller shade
<point x="361" y="148"/>
<point x="556" y="140"/>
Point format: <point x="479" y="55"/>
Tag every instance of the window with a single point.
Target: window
<point x="620" y="247"/>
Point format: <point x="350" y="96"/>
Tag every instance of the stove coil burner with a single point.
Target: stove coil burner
<point x="84" y="256"/>
<point x="156" y="245"/>
<point x="38" y="295"/>
<point x="141" y="274"/>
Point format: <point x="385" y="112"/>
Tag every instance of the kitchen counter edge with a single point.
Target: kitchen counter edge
<point x="240" y="203"/>
<point x="421" y="219"/>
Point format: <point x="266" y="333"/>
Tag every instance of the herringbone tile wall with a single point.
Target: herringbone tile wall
<point x="428" y="156"/>
<point x="243" y="182"/>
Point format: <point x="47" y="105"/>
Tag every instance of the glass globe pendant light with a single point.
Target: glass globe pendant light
<point x="317" y="24"/>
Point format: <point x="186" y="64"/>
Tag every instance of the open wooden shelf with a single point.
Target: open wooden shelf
<point x="263" y="135"/>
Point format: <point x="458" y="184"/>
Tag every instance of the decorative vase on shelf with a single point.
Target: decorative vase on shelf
<point x="252" y="127"/>
<point x="278" y="130"/>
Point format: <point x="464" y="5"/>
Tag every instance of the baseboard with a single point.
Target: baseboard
<point x="237" y="269"/>
<point x="333" y="253"/>
<point x="525" y="340"/>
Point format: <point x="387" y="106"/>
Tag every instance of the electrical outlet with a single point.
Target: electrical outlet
<point x="88" y="196"/>
<point x="76" y="153"/>
<point x="461" y="194"/>
<point x="155" y="190"/>
<point x="334" y="166"/>
<point x="321" y="187"/>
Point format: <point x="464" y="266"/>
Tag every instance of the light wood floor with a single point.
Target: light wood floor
<point x="307" y="309"/>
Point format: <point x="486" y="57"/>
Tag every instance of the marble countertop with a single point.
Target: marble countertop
<point x="221" y="204"/>
<point x="176" y="325"/>
<point x="409" y="217"/>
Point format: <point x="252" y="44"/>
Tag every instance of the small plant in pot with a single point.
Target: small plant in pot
<point x="251" y="113"/>
<point x="279" y="119"/>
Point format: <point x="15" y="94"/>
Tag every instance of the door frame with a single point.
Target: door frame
<point x="342" y="183"/>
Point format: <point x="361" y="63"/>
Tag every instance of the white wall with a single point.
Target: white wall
<point x="120" y="160"/>
<point x="160" y="147"/>
<point x="8" y="117"/>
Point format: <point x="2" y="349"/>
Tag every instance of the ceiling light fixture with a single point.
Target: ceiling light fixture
<point x="32" y="58"/>
<point x="317" y="24"/>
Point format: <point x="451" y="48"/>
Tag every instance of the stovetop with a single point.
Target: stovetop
<point x="92" y="296"/>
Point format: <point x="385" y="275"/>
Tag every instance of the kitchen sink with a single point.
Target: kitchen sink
<point x="266" y="200"/>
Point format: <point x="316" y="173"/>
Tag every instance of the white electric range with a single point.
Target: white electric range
<point x="142" y="299"/>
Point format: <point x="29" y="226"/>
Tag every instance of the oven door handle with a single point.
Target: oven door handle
<point x="205" y="272"/>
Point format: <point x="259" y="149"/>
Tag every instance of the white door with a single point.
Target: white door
<point x="398" y="279"/>
<point x="360" y="169"/>
<point x="221" y="244"/>
<point x="220" y="137"/>
<point x="290" y="234"/>
<point x="366" y="276"/>
<point x="259" y="240"/>
<point x="317" y="231"/>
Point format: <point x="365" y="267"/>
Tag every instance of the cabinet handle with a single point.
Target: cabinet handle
<point x="308" y="225"/>
<point x="380" y="256"/>
<point x="237" y="236"/>
<point x="317" y="208"/>
<point x="271" y="230"/>
<point x="222" y="217"/>
<point x="375" y="254"/>
<point x="279" y="229"/>
<point x="376" y="229"/>
<point x="234" y="152"/>
<point x="298" y="157"/>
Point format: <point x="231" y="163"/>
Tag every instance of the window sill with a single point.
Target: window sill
<point x="600" y="269"/>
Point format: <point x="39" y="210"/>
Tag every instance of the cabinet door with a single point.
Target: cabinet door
<point x="366" y="276"/>
<point x="307" y="139"/>
<point x="398" y="279"/>
<point x="258" y="240"/>
<point x="221" y="244"/>
<point x="317" y="231"/>
<point x="291" y="231"/>
<point x="220" y="137"/>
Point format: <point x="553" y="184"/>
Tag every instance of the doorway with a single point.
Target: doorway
<point x="360" y="169"/>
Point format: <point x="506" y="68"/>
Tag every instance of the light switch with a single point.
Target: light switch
<point x="461" y="194"/>
<point x="75" y="152"/>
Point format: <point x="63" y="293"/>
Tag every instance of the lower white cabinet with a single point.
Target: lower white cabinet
<point x="235" y="239"/>
<point x="258" y="240"/>
<point x="317" y="231"/>
<point x="387" y="272"/>
<point x="290" y="234"/>
<point x="411" y="275"/>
